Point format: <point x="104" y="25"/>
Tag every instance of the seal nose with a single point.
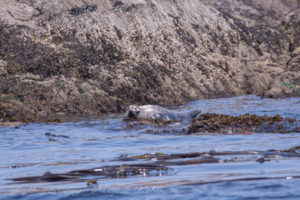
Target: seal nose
<point x="131" y="114"/>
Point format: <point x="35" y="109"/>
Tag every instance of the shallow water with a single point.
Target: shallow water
<point x="36" y="148"/>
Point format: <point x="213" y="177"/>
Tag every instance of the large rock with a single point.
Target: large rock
<point x="96" y="56"/>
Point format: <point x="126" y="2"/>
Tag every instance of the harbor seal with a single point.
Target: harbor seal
<point x="154" y="112"/>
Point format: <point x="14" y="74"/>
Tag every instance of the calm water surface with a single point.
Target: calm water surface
<point x="36" y="148"/>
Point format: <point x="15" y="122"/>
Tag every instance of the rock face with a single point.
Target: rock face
<point x="95" y="56"/>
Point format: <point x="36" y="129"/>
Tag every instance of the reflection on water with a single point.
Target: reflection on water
<point x="102" y="157"/>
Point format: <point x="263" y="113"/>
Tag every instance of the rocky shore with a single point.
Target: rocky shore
<point x="63" y="57"/>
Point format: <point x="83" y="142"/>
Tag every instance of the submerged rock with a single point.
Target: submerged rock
<point x="98" y="56"/>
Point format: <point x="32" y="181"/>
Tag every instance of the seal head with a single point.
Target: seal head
<point x="133" y="112"/>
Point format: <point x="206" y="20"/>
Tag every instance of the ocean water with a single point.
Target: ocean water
<point x="252" y="166"/>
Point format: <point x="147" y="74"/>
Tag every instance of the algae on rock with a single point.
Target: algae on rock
<point x="128" y="51"/>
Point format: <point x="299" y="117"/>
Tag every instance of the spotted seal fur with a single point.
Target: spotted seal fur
<point x="154" y="112"/>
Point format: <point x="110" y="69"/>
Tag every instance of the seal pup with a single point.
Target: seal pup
<point x="154" y="112"/>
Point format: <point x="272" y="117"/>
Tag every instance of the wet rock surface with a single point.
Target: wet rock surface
<point x="213" y="123"/>
<point x="243" y="124"/>
<point x="99" y="56"/>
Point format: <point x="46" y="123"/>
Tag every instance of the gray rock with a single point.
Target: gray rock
<point x="97" y="56"/>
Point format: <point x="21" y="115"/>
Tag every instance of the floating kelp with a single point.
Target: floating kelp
<point x="117" y="171"/>
<point x="292" y="152"/>
<point x="160" y="165"/>
<point x="243" y="124"/>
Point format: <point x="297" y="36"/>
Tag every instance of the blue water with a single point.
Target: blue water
<point x="101" y="140"/>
